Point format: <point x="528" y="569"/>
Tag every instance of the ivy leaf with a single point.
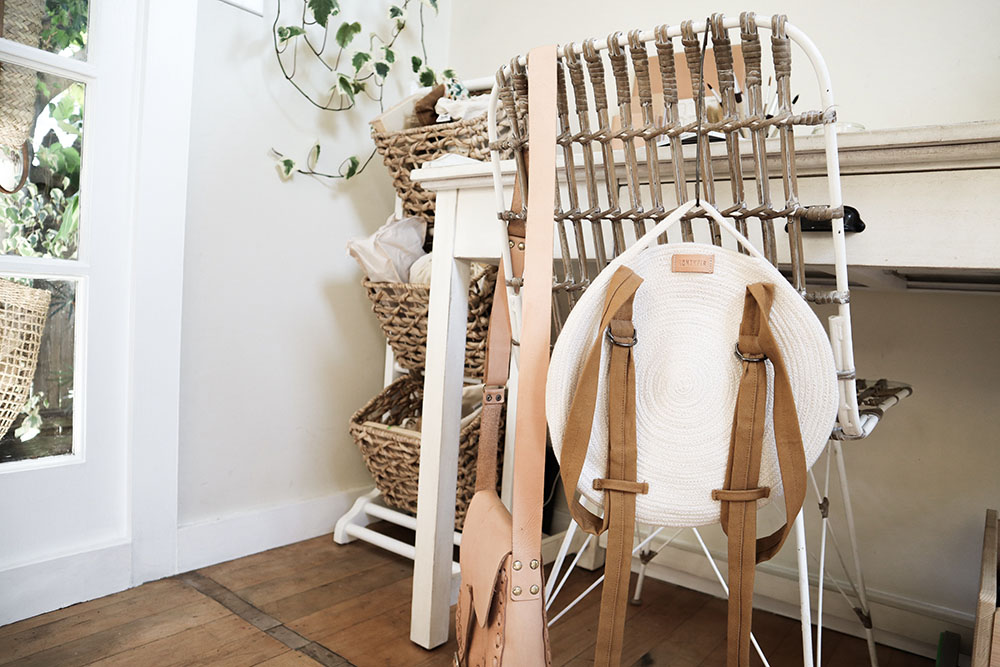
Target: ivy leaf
<point x="427" y="77"/>
<point x="382" y="69"/>
<point x="313" y="158"/>
<point x="322" y="10"/>
<point x="346" y="32"/>
<point x="433" y="4"/>
<point x="286" y="32"/>
<point x="345" y="84"/>
<point x="352" y="166"/>
<point x="395" y="11"/>
<point x="285" y="168"/>
<point x="359" y="60"/>
<point x="400" y="24"/>
<point x="390" y="56"/>
<point x="358" y="86"/>
<point x="449" y="74"/>
<point x="416" y="63"/>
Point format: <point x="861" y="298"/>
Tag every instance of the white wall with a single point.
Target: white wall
<point x="894" y="63"/>
<point x="923" y="481"/>
<point x="279" y="343"/>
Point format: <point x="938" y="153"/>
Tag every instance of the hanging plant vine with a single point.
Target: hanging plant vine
<point x="354" y="73"/>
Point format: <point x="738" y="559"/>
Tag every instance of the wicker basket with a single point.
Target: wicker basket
<point x="406" y="150"/>
<point x="401" y="309"/>
<point x="21" y="22"/>
<point x="386" y="431"/>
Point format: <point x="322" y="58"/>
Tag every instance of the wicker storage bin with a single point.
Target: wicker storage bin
<point x="401" y="309"/>
<point x="405" y="150"/>
<point x="386" y="431"/>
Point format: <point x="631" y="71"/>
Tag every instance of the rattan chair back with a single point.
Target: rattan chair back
<point x="619" y="176"/>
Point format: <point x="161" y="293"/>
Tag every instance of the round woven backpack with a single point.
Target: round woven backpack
<point x="687" y="315"/>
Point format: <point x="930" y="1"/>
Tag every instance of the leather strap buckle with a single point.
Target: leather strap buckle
<point x="621" y="342"/>
<point x="755" y="358"/>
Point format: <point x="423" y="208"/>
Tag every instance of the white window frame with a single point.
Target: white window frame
<point x="147" y="76"/>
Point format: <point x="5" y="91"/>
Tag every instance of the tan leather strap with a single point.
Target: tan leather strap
<point x="536" y="309"/>
<point x="741" y="492"/>
<point x="495" y="382"/>
<point x="620" y="485"/>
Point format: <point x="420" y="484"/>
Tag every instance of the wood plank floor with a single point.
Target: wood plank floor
<point x="318" y="603"/>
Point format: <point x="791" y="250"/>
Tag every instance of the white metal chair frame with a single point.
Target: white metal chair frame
<point x="509" y="91"/>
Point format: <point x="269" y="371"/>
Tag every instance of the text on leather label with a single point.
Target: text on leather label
<point x="693" y="263"/>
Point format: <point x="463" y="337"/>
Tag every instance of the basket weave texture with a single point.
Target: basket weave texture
<point x="401" y="309"/>
<point x="22" y="23"/>
<point x="405" y="150"/>
<point x="22" y="320"/>
<point x="392" y="454"/>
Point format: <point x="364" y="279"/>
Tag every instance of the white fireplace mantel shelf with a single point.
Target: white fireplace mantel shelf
<point x="930" y="197"/>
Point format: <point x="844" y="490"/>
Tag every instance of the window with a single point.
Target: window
<point x="43" y="93"/>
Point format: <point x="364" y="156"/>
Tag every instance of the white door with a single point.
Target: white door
<point x="69" y="76"/>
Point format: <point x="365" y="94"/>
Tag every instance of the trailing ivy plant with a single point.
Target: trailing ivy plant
<point x="42" y="219"/>
<point x="355" y="69"/>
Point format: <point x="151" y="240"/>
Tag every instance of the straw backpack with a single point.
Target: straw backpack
<point x="690" y="385"/>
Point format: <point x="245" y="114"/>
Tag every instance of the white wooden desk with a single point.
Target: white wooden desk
<point x="929" y="195"/>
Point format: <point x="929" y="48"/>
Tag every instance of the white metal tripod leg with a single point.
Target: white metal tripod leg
<point x="805" y="617"/>
<point x="600" y="579"/>
<point x="865" y="614"/>
<point x="824" y="508"/>
<point x="560" y="558"/>
<point x="569" y="570"/>
<point x="725" y="588"/>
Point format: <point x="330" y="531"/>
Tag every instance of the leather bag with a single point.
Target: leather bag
<point x="501" y="614"/>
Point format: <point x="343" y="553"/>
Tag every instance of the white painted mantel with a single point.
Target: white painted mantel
<point x="930" y="197"/>
<point x="924" y="192"/>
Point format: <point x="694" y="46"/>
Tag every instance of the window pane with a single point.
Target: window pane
<point x="43" y="424"/>
<point x="42" y="115"/>
<point x="57" y="26"/>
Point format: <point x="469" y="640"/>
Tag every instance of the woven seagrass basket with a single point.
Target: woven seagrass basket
<point x="401" y="309"/>
<point x="386" y="431"/>
<point x="405" y="150"/>
<point x="23" y="311"/>
<point x="21" y="22"/>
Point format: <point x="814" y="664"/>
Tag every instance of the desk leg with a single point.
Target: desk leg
<point x="442" y="407"/>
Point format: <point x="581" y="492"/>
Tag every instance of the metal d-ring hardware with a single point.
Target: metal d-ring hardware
<point x="753" y="360"/>
<point x="621" y="342"/>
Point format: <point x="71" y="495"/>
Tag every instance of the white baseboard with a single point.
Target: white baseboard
<point x="903" y="623"/>
<point x="209" y="542"/>
<point x="36" y="588"/>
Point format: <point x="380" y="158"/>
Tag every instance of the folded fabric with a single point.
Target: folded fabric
<point x="388" y="254"/>
<point x="420" y="271"/>
<point x="449" y="109"/>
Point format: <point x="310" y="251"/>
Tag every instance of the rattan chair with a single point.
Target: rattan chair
<point x="620" y="176"/>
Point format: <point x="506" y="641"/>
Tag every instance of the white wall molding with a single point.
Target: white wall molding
<point x="217" y="540"/>
<point x="901" y="622"/>
<point x="166" y="72"/>
<point x="39" y="587"/>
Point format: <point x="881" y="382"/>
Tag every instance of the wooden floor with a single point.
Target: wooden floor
<point x="317" y="603"/>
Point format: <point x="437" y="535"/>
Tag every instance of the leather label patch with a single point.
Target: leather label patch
<point x="692" y="263"/>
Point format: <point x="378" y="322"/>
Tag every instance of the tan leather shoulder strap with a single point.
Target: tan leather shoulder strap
<point x="533" y="364"/>
<point x="498" y="340"/>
